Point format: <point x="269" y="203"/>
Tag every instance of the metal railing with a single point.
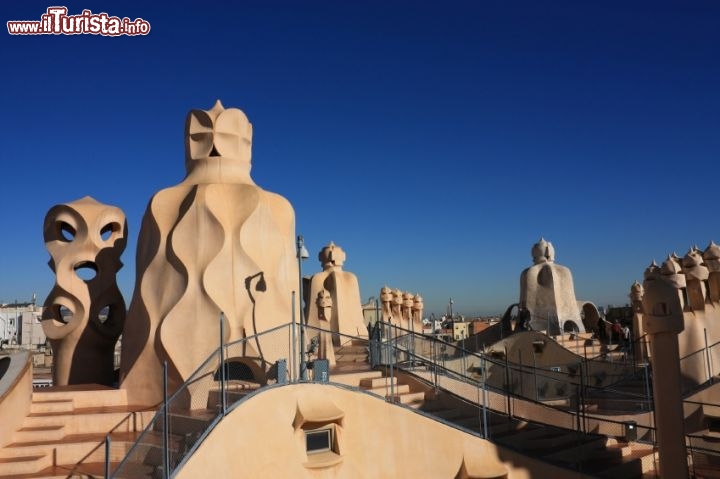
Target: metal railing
<point x="569" y="388"/>
<point x="703" y="455"/>
<point x="186" y="417"/>
<point x="492" y="387"/>
<point x="520" y="375"/>
<point x="230" y="375"/>
<point x="492" y="391"/>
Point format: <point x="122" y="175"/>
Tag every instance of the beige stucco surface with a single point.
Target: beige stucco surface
<point x="528" y="350"/>
<point x="402" y="309"/>
<point x="264" y="438"/>
<point x="204" y="248"/>
<point x="15" y="394"/>
<point x="677" y="307"/>
<point x="547" y="291"/>
<point x="343" y="312"/>
<point x="663" y="320"/>
<point x="695" y="290"/>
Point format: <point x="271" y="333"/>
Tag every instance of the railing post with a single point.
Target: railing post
<point x="692" y="456"/>
<point x="707" y="357"/>
<point x="166" y="424"/>
<point x="293" y="364"/>
<point x="107" y="456"/>
<point x="303" y="362"/>
<point x="507" y="384"/>
<point x="411" y="347"/>
<point x="223" y="403"/>
<point x="582" y="398"/>
<point x="586" y="392"/>
<point x="435" y="362"/>
<point x="301" y="255"/>
<point x="650" y="403"/>
<point x="577" y="406"/>
<point x="485" y="397"/>
<point x="522" y="375"/>
<point x="377" y="311"/>
<point x="647" y="387"/>
<point x="535" y="376"/>
<point x="392" y="361"/>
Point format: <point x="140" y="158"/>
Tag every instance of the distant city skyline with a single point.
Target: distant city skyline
<point x="434" y="142"/>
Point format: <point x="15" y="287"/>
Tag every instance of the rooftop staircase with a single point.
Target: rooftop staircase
<point x="352" y="351"/>
<point x="64" y="434"/>
<point x="65" y="431"/>
<point x="593" y="454"/>
<point x="583" y="344"/>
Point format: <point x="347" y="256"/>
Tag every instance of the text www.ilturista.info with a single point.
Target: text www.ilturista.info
<point x="56" y="21"/>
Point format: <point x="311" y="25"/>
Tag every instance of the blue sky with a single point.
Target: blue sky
<point x="434" y="141"/>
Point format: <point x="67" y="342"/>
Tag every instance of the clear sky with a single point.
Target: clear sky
<point x="434" y="141"/>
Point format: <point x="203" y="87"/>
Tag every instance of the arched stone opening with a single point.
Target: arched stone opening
<point x="570" y="327"/>
<point x="510" y="318"/>
<point x="241" y="369"/>
<point x="590" y="316"/>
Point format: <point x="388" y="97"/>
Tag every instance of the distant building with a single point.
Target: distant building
<point x="479" y="325"/>
<point x="370" y="311"/>
<point x="20" y="325"/>
<point x="459" y="330"/>
<point x="432" y="326"/>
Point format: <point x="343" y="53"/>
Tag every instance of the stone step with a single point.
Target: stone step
<point x="563" y="440"/>
<point x="503" y="430"/>
<point x="706" y="471"/>
<point x="619" y="404"/>
<point x="623" y="449"/>
<point x="52" y="472"/>
<point x="84" y="396"/>
<point x="353" y="378"/>
<point x="89" y="470"/>
<point x="134" y="471"/>
<point x="370" y="383"/>
<point x="15" y="466"/>
<point x="351" y="358"/>
<point x="351" y="349"/>
<point x="28" y="434"/>
<point x="620" y="461"/>
<point x="90" y="420"/>
<point x="432" y="405"/>
<point x="150" y="450"/>
<point x="468" y="422"/>
<point x="535" y="432"/>
<point x="67" y="425"/>
<point x="626" y="468"/>
<point x="183" y="424"/>
<point x="504" y="427"/>
<point x="51" y="406"/>
<point x="382" y="390"/>
<point x="449" y="414"/>
<point x="574" y="454"/>
<point x="232" y="395"/>
<point x="705" y="439"/>
<point x="408" y="398"/>
<point x="74" y="448"/>
<point x="561" y="402"/>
